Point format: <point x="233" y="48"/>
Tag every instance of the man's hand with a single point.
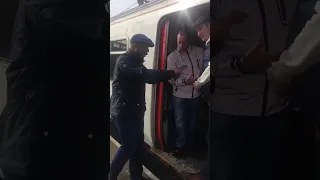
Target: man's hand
<point x="190" y="80"/>
<point x="180" y="69"/>
<point x="256" y="61"/>
<point x="273" y="57"/>
<point x="251" y="60"/>
<point x="255" y="49"/>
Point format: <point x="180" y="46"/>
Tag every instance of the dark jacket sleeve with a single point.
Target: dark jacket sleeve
<point x="156" y="76"/>
<point x="130" y="70"/>
<point x="150" y="76"/>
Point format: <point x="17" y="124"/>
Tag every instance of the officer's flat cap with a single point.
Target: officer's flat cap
<point x="141" y="39"/>
<point x="203" y="19"/>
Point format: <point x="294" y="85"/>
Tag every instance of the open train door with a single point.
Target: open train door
<point x="276" y="22"/>
<point x="167" y="33"/>
<point x="161" y="121"/>
<point x="268" y="20"/>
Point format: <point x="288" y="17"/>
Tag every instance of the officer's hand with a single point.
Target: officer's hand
<point x="197" y="85"/>
<point x="273" y="57"/>
<point x="281" y="86"/>
<point x="179" y="70"/>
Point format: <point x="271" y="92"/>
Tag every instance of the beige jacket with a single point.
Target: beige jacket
<point x="193" y="58"/>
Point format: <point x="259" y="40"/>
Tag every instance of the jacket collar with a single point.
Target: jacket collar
<point x="135" y="57"/>
<point x="188" y="49"/>
<point x="208" y="42"/>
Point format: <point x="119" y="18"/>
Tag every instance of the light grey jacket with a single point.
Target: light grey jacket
<point x="193" y="58"/>
<point x="303" y="53"/>
<point x="239" y="94"/>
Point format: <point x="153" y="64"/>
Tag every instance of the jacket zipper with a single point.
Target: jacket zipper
<point x="192" y="72"/>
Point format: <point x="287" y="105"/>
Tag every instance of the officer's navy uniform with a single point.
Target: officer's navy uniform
<point x="206" y="92"/>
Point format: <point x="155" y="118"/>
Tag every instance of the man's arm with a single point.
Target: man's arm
<point x="253" y="61"/>
<point x="204" y="78"/>
<point x="256" y="63"/>
<point x="236" y="63"/>
<point x="176" y="81"/>
<point x="303" y="53"/>
<point x="150" y="76"/>
<point x="156" y="76"/>
<point x="128" y="69"/>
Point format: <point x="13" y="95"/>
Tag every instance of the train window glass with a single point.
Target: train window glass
<point x="118" y="45"/>
<point x="113" y="59"/>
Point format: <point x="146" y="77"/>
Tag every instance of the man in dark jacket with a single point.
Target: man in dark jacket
<point x="57" y="90"/>
<point x="128" y="103"/>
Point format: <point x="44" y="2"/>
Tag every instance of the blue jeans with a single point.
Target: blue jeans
<point x="185" y="115"/>
<point x="132" y="148"/>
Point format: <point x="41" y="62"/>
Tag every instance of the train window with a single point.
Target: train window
<point x="118" y="45"/>
<point x="113" y="59"/>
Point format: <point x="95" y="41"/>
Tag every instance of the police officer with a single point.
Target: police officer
<point x="202" y="25"/>
<point x="128" y="103"/>
<point x="297" y="71"/>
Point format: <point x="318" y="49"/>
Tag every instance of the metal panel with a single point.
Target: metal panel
<point x="3" y="84"/>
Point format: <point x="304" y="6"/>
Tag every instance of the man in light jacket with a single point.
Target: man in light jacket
<point x="298" y="71"/>
<point x="237" y="112"/>
<point x="185" y="96"/>
<point x="302" y="54"/>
